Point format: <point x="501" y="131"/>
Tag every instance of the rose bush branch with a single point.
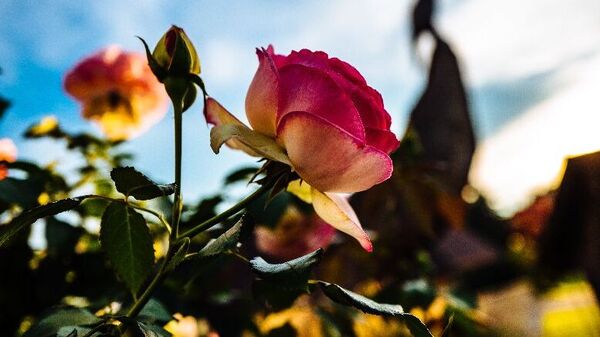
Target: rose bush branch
<point x="175" y="63"/>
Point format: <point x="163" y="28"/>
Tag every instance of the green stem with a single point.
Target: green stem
<point x="226" y="214"/>
<point x="176" y="215"/>
<point x="158" y="277"/>
<point x="177" y="202"/>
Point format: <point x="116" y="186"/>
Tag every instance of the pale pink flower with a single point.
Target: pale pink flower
<point x="118" y="92"/>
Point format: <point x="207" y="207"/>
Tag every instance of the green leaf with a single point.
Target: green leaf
<point x="293" y="272"/>
<point x="179" y="255"/>
<point x="154" y="312"/>
<point x="73" y="331"/>
<point x="228" y="240"/>
<point x="157" y="70"/>
<point x="416" y="327"/>
<point x="131" y="182"/>
<point x="126" y="240"/>
<point x="51" y="324"/>
<point x="150" y="330"/>
<point x="349" y="298"/>
<point x="282" y="283"/>
<point x="261" y="144"/>
<point x="28" y="217"/>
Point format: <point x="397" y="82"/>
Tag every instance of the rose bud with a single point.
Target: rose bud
<point x="175" y="63"/>
<point x="319" y="116"/>
<point x="8" y="153"/>
<point x="117" y="91"/>
<point x="176" y="54"/>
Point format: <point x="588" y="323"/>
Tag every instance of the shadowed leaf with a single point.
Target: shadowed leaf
<point x="30" y="216"/>
<point x="228" y="240"/>
<point x="127" y="242"/>
<point x="131" y="182"/>
<point x="154" y="312"/>
<point x="51" y="324"/>
<point x="349" y="298"/>
<point x="151" y="330"/>
<point x="293" y="272"/>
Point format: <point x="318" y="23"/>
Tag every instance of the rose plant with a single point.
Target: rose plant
<point x="322" y="130"/>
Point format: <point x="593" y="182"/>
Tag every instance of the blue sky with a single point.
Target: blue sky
<point x="524" y="62"/>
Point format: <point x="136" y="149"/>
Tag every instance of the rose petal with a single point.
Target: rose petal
<point x="309" y="89"/>
<point x="279" y="60"/>
<point x="384" y="140"/>
<point x="370" y="105"/>
<point x="217" y="115"/>
<point x="336" y="211"/>
<point x="346" y="70"/>
<point x="261" y="100"/>
<point x="328" y="158"/>
<point x="300" y="189"/>
<point x="367" y="100"/>
<point x="262" y="145"/>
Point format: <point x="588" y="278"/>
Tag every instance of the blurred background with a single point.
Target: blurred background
<point x="483" y="223"/>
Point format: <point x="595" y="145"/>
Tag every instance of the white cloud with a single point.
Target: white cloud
<point x="527" y="155"/>
<point x="512" y="38"/>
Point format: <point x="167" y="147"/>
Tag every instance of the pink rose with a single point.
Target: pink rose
<point x="8" y="152"/>
<point x="118" y="92"/>
<point x="329" y="125"/>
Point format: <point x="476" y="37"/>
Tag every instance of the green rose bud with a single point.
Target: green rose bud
<point x="176" y="54"/>
<point x="175" y="63"/>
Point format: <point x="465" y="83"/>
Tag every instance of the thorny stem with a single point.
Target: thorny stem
<point x="175" y="237"/>
<point x="145" y="297"/>
<point x="176" y="215"/>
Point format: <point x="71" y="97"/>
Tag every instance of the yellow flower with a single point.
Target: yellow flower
<point x="366" y="325"/>
<point x="300" y="317"/>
